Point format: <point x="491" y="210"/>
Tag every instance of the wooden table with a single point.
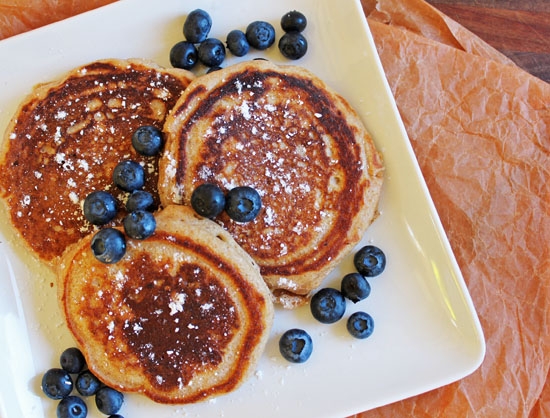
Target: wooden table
<point x="519" y="29"/>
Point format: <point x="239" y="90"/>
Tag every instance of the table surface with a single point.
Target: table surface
<point x="519" y="29"/>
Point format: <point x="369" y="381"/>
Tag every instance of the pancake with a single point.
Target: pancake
<point x="182" y="317"/>
<point x="284" y="132"/>
<point x="67" y="136"/>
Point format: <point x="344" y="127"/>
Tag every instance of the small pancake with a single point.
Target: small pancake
<point x="183" y="316"/>
<point x="282" y="131"/>
<point x="66" y="138"/>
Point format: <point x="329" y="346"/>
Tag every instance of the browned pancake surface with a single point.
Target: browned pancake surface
<point x="285" y="133"/>
<point x="66" y="139"/>
<point x="182" y="317"/>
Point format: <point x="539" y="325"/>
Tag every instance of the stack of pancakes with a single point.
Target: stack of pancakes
<point x="210" y="284"/>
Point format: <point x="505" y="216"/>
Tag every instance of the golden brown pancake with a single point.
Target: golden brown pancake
<point x="66" y="138"/>
<point x="282" y="131"/>
<point x="184" y="316"/>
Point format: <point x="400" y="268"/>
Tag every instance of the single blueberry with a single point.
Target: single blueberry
<point x="109" y="245"/>
<point x="147" y="140"/>
<point x="57" y="383"/>
<point x="72" y="407"/>
<point x="370" y="261"/>
<point x="296" y="345"/>
<point x="260" y="34"/>
<point x="208" y="200"/>
<point x="360" y="325"/>
<point x="87" y="384"/>
<point x="139" y="224"/>
<point x="211" y="52"/>
<point x="237" y="43"/>
<point x="328" y="305"/>
<point x="355" y="287"/>
<point x="99" y="207"/>
<point x="293" y="45"/>
<point x="243" y="204"/>
<point x="129" y="175"/>
<point x="72" y="360"/>
<point x="108" y="400"/>
<point x="140" y="200"/>
<point x="293" y="21"/>
<point x="197" y="26"/>
<point x="184" y="55"/>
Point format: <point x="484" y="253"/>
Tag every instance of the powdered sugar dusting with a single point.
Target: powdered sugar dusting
<point x="77" y="131"/>
<point x="177" y="302"/>
<point x="278" y="145"/>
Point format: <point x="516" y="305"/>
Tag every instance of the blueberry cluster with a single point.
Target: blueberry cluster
<point x="328" y="305"/>
<point x="58" y="384"/>
<point x="100" y="207"/>
<point x="198" y="47"/>
<point x="293" y="44"/>
<point x="242" y="203"/>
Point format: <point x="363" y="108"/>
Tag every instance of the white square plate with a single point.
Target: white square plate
<point x="427" y="333"/>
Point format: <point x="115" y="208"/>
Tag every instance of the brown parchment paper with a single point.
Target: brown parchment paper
<point x="17" y="16"/>
<point x="480" y="128"/>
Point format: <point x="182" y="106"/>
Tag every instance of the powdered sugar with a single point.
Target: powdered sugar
<point x="177" y="302"/>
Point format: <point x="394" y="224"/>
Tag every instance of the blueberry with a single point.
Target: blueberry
<point x="139" y="224"/>
<point x="72" y="407"/>
<point x="355" y="287"/>
<point x="57" y="383"/>
<point x="370" y="261"/>
<point x="197" y="26"/>
<point x="109" y="245"/>
<point x="108" y="400"/>
<point x="184" y="55"/>
<point x="328" y="305"/>
<point x="211" y="52"/>
<point x="293" y="45"/>
<point x="360" y="325"/>
<point x="72" y="360"/>
<point x="296" y="345"/>
<point x="99" y="207"/>
<point x="140" y="200"/>
<point x="208" y="200"/>
<point x="147" y="140"/>
<point x="243" y="204"/>
<point x="129" y="175"/>
<point x="87" y="384"/>
<point x="293" y="21"/>
<point x="260" y="34"/>
<point x="237" y="43"/>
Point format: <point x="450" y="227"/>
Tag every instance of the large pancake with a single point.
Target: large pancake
<point x="67" y="136"/>
<point x="184" y="316"/>
<point x="283" y="131"/>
